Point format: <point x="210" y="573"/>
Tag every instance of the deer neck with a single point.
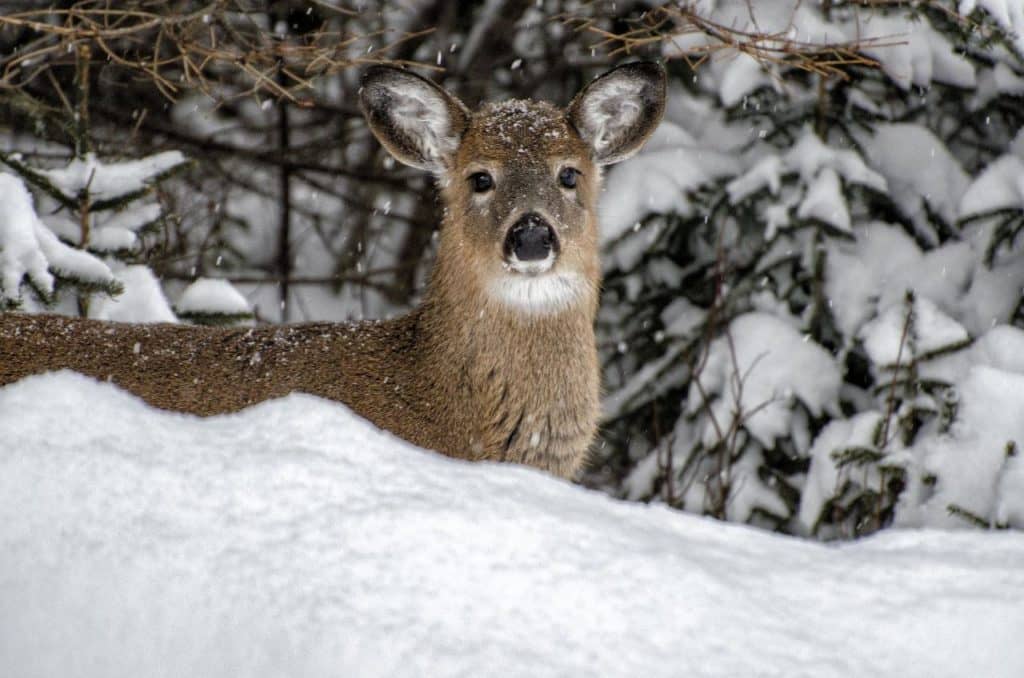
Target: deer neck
<point x="465" y="323"/>
<point x="525" y="383"/>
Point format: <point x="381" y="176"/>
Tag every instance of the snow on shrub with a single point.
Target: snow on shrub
<point x="142" y="301"/>
<point x="30" y="252"/>
<point x="211" y="301"/>
<point x="819" y="340"/>
<point x="84" y="223"/>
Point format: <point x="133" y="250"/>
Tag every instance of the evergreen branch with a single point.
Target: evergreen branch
<point x="891" y="400"/>
<point x="969" y="516"/>
<point x="124" y="199"/>
<point x="924" y="357"/>
<point x="64" y="279"/>
<point x="1005" y="233"/>
<point x="856" y="456"/>
<point x="980" y="216"/>
<point x="213" y="319"/>
<point x="38" y="180"/>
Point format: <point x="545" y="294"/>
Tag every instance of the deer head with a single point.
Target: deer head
<point x="519" y="179"/>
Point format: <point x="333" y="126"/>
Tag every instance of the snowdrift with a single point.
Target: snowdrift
<point x="295" y="539"/>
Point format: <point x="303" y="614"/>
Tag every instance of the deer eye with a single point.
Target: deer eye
<point x="567" y="177"/>
<point x="481" y="182"/>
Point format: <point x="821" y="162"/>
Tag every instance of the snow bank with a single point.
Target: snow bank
<point x="295" y="539"/>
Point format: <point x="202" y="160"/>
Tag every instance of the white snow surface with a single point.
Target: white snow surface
<point x="973" y="470"/>
<point x="117" y="230"/>
<point x="809" y="156"/>
<point x="110" y="230"/>
<point x="821" y="168"/>
<point x="824" y="474"/>
<point x="29" y="249"/>
<point x="909" y="51"/>
<point x="914" y="53"/>
<point x="999" y="186"/>
<point x="775" y="365"/>
<point x="918" y="169"/>
<point x="142" y="301"/>
<point x="20" y="250"/>
<point x="743" y="75"/>
<point x="970" y="462"/>
<point x="295" y="539"/>
<point x="212" y="295"/>
<point x="930" y="330"/>
<point x="106" y="181"/>
<point x="657" y="180"/>
<point x="824" y="201"/>
<point x="1007" y="13"/>
<point x="873" y="274"/>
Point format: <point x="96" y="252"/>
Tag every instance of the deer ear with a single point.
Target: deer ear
<point x="418" y="122"/>
<point x="618" y="111"/>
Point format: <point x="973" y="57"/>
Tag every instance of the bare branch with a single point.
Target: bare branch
<point x="193" y="50"/>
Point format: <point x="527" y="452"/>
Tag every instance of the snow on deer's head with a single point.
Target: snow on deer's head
<point x="520" y="179"/>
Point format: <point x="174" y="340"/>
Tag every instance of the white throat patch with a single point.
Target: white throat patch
<point x="539" y="294"/>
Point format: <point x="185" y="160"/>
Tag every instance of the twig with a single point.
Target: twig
<point x="192" y="50"/>
<point x="672" y="21"/>
<point x="891" y="401"/>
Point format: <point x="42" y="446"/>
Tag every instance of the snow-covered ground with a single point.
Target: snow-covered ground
<point x="294" y="539"/>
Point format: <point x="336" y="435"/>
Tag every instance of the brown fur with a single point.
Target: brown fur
<point x="464" y="374"/>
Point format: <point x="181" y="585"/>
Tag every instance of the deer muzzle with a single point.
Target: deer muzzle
<point x="531" y="244"/>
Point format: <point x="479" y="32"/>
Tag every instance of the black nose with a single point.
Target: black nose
<point x="530" y="239"/>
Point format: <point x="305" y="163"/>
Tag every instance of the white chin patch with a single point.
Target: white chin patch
<point x="531" y="267"/>
<point x="541" y="294"/>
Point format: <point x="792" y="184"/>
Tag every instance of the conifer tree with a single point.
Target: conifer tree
<point x="75" y="229"/>
<point x="85" y="221"/>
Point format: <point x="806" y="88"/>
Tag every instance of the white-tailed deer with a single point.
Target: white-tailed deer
<point x="499" y="362"/>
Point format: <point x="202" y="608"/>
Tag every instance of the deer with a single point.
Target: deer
<point x="499" y="360"/>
